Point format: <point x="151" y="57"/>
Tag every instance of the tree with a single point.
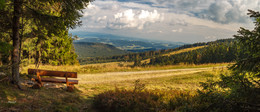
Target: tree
<point x="2" y="4"/>
<point x="48" y="18"/>
<point x="249" y="42"/>
<point x="16" y="41"/>
<point x="240" y="90"/>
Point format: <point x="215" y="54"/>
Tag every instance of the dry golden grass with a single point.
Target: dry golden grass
<point x="178" y="77"/>
<point x="184" y="79"/>
<point x="184" y="50"/>
<point x="115" y="67"/>
<point x="176" y="52"/>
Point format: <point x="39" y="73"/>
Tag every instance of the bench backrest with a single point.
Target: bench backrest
<point x="52" y="73"/>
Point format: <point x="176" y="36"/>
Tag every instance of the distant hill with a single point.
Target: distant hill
<point x="175" y="52"/>
<point x="126" y="43"/>
<point x="89" y="49"/>
<point x="220" y="51"/>
<point x="183" y="51"/>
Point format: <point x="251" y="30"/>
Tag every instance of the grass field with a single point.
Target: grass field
<point x="91" y="83"/>
<point x="115" y="67"/>
<point x="176" y="52"/>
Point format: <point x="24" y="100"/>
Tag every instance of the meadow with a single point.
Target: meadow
<point x="106" y="77"/>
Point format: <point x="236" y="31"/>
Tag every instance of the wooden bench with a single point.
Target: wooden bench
<point x="40" y="79"/>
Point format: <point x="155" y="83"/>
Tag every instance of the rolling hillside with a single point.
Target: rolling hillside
<point x="126" y="43"/>
<point x="145" y="57"/>
<point x="88" y="49"/>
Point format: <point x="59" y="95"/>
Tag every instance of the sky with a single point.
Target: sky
<point x="187" y="21"/>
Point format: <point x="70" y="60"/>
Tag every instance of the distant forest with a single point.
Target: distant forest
<point x="217" y="52"/>
<point x="224" y="50"/>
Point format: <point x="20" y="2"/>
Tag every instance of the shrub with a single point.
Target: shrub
<point x="128" y="101"/>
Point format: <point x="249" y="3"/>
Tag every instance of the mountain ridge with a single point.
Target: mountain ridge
<point x="132" y="44"/>
<point x="90" y="49"/>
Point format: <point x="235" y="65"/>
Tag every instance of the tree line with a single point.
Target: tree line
<point x="219" y="52"/>
<point x="154" y="55"/>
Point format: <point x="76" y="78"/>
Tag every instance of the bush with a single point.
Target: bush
<point x="128" y="101"/>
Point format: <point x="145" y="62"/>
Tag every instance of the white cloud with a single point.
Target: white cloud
<point x="178" y="30"/>
<point x="175" y="20"/>
<point x="134" y="19"/>
<point x="210" y="37"/>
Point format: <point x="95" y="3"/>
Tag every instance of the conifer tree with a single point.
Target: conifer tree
<point x="48" y="18"/>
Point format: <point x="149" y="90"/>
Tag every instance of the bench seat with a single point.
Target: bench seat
<point x="48" y="76"/>
<point x="58" y="80"/>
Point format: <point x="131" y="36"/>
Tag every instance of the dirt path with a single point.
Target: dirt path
<point x="134" y="75"/>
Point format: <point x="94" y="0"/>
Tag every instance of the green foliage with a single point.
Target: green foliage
<point x="54" y="51"/>
<point x="240" y="90"/>
<point x="134" y="57"/>
<point x="218" y="52"/>
<point x="137" y="62"/>
<point x="5" y="51"/>
<point x="249" y="42"/>
<point x="44" y="29"/>
<point x="2" y="4"/>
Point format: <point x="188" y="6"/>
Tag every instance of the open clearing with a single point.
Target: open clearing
<point x="91" y="84"/>
<point x="184" y="79"/>
<point x="135" y="75"/>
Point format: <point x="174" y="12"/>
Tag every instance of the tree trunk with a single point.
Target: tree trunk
<point x="16" y="42"/>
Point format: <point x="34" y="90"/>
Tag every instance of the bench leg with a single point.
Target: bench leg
<point x="36" y="86"/>
<point x="39" y="79"/>
<point x="70" y="88"/>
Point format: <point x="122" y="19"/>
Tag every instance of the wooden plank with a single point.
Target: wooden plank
<point x="58" y="80"/>
<point x="53" y="73"/>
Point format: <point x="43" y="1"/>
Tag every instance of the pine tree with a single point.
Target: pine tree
<point x="47" y="18"/>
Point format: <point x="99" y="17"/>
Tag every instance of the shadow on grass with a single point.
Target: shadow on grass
<point x="44" y="99"/>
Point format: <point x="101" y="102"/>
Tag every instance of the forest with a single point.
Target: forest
<point x="221" y="52"/>
<point x="222" y="49"/>
<point x="44" y="37"/>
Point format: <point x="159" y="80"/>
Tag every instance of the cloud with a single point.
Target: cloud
<point x="210" y="37"/>
<point x="175" y="20"/>
<point x="178" y="30"/>
<point x="221" y="11"/>
<point x="233" y="11"/>
<point x="134" y="19"/>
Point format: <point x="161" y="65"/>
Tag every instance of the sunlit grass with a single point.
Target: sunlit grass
<point x="184" y="50"/>
<point x="181" y="79"/>
<point x="116" y="67"/>
<point x="176" y="52"/>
